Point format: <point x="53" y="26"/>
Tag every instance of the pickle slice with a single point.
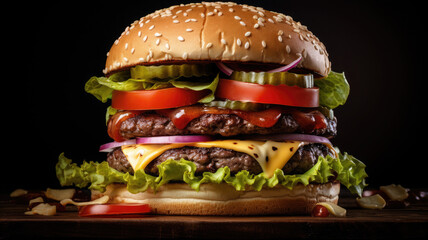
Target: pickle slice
<point x="171" y="71"/>
<point x="327" y="112"/>
<point x="277" y="78"/>
<point x="237" y="105"/>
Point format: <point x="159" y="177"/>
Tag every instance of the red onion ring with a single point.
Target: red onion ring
<point x="108" y="147"/>
<point x="174" y="139"/>
<point x="287" y="67"/>
<point x="291" y="137"/>
<point x="228" y="71"/>
<point x="225" y="69"/>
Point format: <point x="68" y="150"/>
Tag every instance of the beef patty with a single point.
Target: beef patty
<point x="211" y="159"/>
<point x="153" y="124"/>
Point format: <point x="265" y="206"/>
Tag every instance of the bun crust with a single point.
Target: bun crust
<point x="222" y="199"/>
<point x="225" y="32"/>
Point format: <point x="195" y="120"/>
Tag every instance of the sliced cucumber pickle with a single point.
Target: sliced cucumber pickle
<point x="171" y="71"/>
<point x="327" y="112"/>
<point x="277" y="78"/>
<point x="237" y="105"/>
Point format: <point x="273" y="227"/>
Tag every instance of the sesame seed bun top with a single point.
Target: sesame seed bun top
<point x="218" y="31"/>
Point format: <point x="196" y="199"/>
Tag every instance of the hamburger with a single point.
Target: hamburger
<point x="218" y="108"/>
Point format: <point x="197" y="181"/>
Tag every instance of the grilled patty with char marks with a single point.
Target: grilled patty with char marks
<point x="153" y="124"/>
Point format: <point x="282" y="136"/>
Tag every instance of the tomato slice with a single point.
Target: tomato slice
<point x="268" y="94"/>
<point x="113" y="209"/>
<point x="156" y="99"/>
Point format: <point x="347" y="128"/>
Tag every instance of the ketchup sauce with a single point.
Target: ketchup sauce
<point x="116" y="121"/>
<point x="182" y="116"/>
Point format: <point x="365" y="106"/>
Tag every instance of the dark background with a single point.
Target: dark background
<point x="51" y="50"/>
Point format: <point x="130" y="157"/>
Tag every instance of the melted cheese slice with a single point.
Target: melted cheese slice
<point x="269" y="154"/>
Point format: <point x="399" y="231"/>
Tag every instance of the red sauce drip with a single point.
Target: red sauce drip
<point x="309" y="120"/>
<point x="182" y="116"/>
<point x="114" y="123"/>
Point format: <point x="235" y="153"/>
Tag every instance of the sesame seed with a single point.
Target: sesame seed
<point x="108" y="53"/>
<point x="151" y="27"/>
<point x="141" y="59"/>
<point x="220" y="13"/>
<point x="185" y="54"/>
<point x="263" y="43"/>
<point x="145" y="38"/>
<point x="125" y="59"/>
<point x="247" y="45"/>
<point x="193" y="20"/>
<point x="141" y="24"/>
<point x="209" y="45"/>
<point x="210" y="14"/>
<point x="179" y="11"/>
<point x="238" y="41"/>
<point x="150" y="53"/>
<point x="237" y="18"/>
<point x="126" y="45"/>
<point x="288" y="49"/>
<point x="132" y="50"/>
<point x="202" y="15"/>
<point x="247" y="34"/>
<point x="231" y="10"/>
<point x="296" y="30"/>
<point x="188" y="20"/>
<point x="139" y="33"/>
<point x="158" y="34"/>
<point x="185" y="14"/>
<point x="256" y="25"/>
<point x="280" y="33"/>
<point x="167" y="46"/>
<point x="157" y="41"/>
<point x="189" y="30"/>
<point x="148" y="21"/>
<point x="279" y="38"/>
<point x="242" y="23"/>
<point x="223" y="41"/>
<point x="270" y="20"/>
<point x="180" y="38"/>
<point x="175" y="21"/>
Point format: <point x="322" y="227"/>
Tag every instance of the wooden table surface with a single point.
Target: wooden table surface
<point x="410" y="223"/>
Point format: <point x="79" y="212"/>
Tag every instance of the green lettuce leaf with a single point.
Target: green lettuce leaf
<point x="333" y="90"/>
<point x="349" y="171"/>
<point x="102" y="87"/>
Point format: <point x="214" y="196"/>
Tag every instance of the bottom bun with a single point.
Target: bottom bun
<point x="222" y="199"/>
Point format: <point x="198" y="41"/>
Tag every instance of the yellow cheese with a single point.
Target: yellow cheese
<point x="270" y="155"/>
